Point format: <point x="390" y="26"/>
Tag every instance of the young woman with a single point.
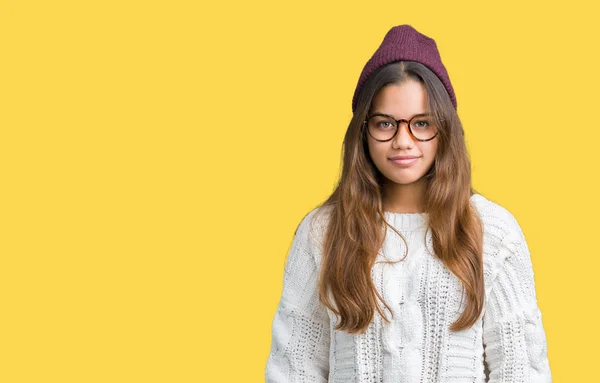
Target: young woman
<point x="406" y="273"/>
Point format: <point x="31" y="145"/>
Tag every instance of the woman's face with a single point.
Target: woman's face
<point x="402" y="101"/>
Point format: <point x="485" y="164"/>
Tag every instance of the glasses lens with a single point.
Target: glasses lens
<point x="381" y="127"/>
<point x="423" y="128"/>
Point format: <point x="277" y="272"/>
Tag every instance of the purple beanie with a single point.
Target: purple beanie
<point x="403" y="42"/>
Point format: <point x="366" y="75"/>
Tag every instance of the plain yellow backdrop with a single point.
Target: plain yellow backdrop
<point x="157" y="156"/>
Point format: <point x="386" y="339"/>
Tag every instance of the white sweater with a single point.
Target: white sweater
<point x="506" y="344"/>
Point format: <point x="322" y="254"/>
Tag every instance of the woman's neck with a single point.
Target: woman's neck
<point x="403" y="198"/>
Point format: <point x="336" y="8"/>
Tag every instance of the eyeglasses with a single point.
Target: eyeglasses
<point x="383" y="127"/>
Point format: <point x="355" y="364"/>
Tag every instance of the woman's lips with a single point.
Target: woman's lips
<point x="404" y="162"/>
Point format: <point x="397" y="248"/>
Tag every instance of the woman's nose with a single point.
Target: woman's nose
<point x="403" y="138"/>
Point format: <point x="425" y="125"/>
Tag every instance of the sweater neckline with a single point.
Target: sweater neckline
<point x="412" y="221"/>
<point x="406" y="221"/>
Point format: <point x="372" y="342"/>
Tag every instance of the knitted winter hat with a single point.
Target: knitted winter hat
<point x="403" y="42"/>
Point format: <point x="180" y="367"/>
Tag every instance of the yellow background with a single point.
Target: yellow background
<point x="157" y="156"/>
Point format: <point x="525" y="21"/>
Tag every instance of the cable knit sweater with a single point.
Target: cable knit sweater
<point x="506" y="344"/>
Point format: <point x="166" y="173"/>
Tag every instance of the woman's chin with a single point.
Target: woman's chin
<point x="404" y="180"/>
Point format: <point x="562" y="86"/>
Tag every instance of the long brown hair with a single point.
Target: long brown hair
<point x="356" y="224"/>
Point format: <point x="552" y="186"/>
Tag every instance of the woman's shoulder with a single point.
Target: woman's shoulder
<point x="314" y="223"/>
<point x="310" y="232"/>
<point x="499" y="224"/>
<point x="502" y="236"/>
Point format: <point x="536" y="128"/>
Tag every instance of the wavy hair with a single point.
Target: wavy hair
<point x="356" y="221"/>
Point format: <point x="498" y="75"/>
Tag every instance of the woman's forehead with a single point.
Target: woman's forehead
<point x="401" y="100"/>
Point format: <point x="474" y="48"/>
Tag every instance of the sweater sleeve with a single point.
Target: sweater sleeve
<point x="513" y="333"/>
<point x="300" y="329"/>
